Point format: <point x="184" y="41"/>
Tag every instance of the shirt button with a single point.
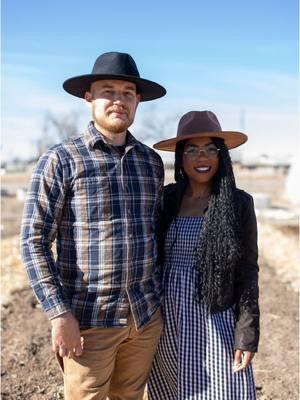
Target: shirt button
<point x="130" y="236"/>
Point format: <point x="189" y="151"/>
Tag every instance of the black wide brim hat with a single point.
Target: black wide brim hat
<point x="116" y="66"/>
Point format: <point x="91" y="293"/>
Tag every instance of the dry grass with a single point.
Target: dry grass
<point x="13" y="274"/>
<point x="279" y="248"/>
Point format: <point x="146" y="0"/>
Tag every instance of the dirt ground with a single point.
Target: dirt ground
<point x="29" y="369"/>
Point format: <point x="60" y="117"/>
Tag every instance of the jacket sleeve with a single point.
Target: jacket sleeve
<point x="42" y="211"/>
<point x="246" y="284"/>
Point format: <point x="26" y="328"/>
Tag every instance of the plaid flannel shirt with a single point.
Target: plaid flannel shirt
<point x="102" y="209"/>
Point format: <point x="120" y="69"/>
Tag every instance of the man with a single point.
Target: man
<point x="99" y="197"/>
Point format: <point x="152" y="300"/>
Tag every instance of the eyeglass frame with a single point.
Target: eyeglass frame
<point x="205" y="151"/>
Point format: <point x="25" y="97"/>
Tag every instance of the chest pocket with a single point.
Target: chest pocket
<point x="91" y="200"/>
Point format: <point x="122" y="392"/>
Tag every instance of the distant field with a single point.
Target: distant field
<point x="11" y="207"/>
<point x="12" y="182"/>
<point x="254" y="182"/>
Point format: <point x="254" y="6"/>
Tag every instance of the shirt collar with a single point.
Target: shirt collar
<point x="93" y="136"/>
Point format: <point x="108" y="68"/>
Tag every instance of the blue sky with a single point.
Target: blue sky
<point x="238" y="59"/>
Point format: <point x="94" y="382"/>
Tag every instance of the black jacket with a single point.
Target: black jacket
<point x="243" y="292"/>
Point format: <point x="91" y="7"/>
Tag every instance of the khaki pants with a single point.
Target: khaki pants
<point x="115" y="362"/>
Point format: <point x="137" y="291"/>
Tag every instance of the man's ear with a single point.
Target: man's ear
<point x="138" y="99"/>
<point x="88" y="96"/>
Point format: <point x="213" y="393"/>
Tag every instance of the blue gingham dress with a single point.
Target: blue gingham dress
<point x="196" y="351"/>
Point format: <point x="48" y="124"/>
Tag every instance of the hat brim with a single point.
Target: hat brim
<point x="232" y="139"/>
<point x="148" y="90"/>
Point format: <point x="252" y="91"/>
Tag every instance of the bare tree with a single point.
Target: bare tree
<point x="64" y="125"/>
<point x="57" y="128"/>
<point x="157" y="126"/>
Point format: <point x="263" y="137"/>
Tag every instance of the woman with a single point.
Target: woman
<point x="208" y="259"/>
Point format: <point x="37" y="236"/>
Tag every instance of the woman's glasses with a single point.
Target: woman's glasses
<point x="194" y="152"/>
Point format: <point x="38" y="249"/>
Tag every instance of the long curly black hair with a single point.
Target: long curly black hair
<point x="219" y="246"/>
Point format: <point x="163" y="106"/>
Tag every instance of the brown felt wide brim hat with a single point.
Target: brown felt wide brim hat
<point x="196" y="124"/>
<point x="114" y="66"/>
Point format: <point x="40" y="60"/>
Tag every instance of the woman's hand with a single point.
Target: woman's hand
<point x="242" y="360"/>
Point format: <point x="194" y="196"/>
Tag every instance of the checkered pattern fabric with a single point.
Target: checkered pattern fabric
<point x="195" y="355"/>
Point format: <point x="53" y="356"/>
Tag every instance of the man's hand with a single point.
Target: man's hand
<point x="242" y="359"/>
<point x="66" y="339"/>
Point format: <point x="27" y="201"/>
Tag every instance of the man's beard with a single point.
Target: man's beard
<point x="116" y="125"/>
